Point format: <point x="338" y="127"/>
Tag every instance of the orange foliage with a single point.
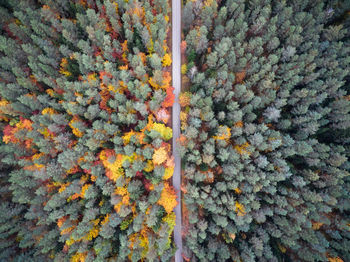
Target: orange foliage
<point x="183" y="46"/>
<point x="170" y="97"/>
<point x="240" y="76"/>
<point x="182" y="140"/>
<point x="238" y="124"/>
<point x="168" y="198"/>
<point x="9" y="132"/>
<point x="166" y="79"/>
<point x="238" y="190"/>
<point x="316" y="225"/>
<point x="335" y="259"/>
<point x="82" y="193"/>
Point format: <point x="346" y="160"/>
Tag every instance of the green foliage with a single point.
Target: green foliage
<point x="81" y="86"/>
<point x="265" y="140"/>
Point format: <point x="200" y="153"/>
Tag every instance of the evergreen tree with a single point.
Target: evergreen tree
<point x="265" y="121"/>
<point x="85" y="97"/>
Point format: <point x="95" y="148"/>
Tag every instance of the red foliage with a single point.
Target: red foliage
<point x="104" y="73"/>
<point x="139" y="174"/>
<point x="115" y="54"/>
<point x="105" y="95"/>
<point x="147" y="184"/>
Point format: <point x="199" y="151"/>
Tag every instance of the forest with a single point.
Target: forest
<point x="88" y="142"/>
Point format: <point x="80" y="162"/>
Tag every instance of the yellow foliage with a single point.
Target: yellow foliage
<point x="63" y="71"/>
<point x="3" y="102"/>
<point x="105" y="220"/>
<point x="149" y="166"/>
<point x="142" y="236"/>
<point x="153" y="83"/>
<point x="127" y="136"/>
<point x="49" y="111"/>
<point x="121" y="191"/>
<point x="170" y="220"/>
<point x="184" y="98"/>
<point x="124" y="67"/>
<point x="160" y="155"/>
<point x="224" y="133"/>
<point x="91" y="77"/>
<point x="282" y="248"/>
<point x="125" y="201"/>
<point x="238" y="190"/>
<point x="116" y="168"/>
<point x="316" y="225"/>
<point x="93" y="233"/>
<point x="37" y="156"/>
<point x="165" y="82"/>
<point x="70" y="241"/>
<point x="168" y="173"/>
<point x="165" y="132"/>
<point x="76" y="131"/>
<point x="240" y="209"/>
<point x="83" y="190"/>
<point x="168" y="198"/>
<point x="24" y="124"/>
<point x="166" y="61"/>
<point x="79" y="257"/>
<point x="63" y="187"/>
<point x="150" y="46"/>
<point x="6" y="109"/>
<point x="183" y="119"/>
<point x="242" y="149"/>
<point x="184" y="69"/>
<point x="45" y="132"/>
<point x="125" y="45"/>
<point x="335" y="259"/>
<point x="39" y="166"/>
<point x="208" y="2"/>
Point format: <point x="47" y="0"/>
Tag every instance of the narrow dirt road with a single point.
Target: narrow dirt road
<point x="176" y="40"/>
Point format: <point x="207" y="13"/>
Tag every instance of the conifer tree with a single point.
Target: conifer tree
<point x="85" y="97"/>
<point x="265" y="121"/>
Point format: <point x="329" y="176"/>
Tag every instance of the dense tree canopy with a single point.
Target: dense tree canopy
<point x="85" y="107"/>
<point x="265" y="131"/>
<point x="86" y="142"/>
